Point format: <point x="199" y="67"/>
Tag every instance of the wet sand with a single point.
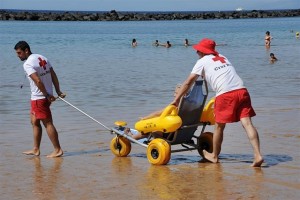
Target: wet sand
<point x="88" y="170"/>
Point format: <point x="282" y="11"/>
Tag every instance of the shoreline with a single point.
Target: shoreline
<point x="113" y="15"/>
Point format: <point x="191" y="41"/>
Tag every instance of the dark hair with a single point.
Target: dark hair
<point x="268" y="32"/>
<point x="22" y="45"/>
<point x="271" y="54"/>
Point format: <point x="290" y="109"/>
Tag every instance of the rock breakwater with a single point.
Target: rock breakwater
<point x="141" y="16"/>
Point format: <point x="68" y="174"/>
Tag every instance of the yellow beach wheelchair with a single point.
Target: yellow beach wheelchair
<point x="176" y="127"/>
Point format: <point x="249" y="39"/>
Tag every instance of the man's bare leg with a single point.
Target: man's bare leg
<point x="254" y="140"/>
<point x="217" y="144"/>
<point x="53" y="136"/>
<point x="37" y="136"/>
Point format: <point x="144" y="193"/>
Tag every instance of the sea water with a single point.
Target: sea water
<point x="110" y="80"/>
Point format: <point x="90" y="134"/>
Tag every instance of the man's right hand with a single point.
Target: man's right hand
<point x="62" y="95"/>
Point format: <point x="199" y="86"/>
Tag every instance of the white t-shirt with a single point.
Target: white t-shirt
<point x="219" y="73"/>
<point x="39" y="64"/>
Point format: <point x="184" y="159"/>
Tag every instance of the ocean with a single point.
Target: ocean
<point x="110" y="80"/>
<point x="102" y="74"/>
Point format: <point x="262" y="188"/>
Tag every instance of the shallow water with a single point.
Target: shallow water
<point x="108" y="79"/>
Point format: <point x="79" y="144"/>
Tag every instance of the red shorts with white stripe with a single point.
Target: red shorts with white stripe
<point x="41" y="109"/>
<point x="232" y="106"/>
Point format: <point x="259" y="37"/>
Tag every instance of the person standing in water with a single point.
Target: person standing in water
<point x="272" y="58"/>
<point x="156" y="43"/>
<point x="268" y="40"/>
<point x="186" y="43"/>
<point x="167" y="45"/>
<point x="232" y="103"/>
<point x="134" y="42"/>
<point x="41" y="76"/>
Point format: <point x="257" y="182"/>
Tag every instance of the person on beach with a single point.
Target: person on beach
<point x="41" y="76"/>
<point x="272" y="58"/>
<point x="232" y="103"/>
<point x="268" y="39"/>
<point x="134" y="42"/>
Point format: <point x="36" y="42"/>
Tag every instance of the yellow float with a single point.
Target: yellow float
<point x="167" y="122"/>
<point x="208" y="112"/>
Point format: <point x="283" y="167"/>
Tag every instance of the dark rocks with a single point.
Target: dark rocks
<point x="141" y="16"/>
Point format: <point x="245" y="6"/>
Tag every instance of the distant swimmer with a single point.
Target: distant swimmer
<point x="134" y="42"/>
<point x="272" y="58"/>
<point x="268" y="39"/>
<point x="156" y="43"/>
<point x="186" y="43"/>
<point x="167" y="45"/>
<point x="297" y="35"/>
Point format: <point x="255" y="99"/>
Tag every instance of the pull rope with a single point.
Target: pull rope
<point x="84" y="113"/>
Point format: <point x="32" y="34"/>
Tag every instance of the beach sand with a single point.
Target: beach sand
<point x="88" y="170"/>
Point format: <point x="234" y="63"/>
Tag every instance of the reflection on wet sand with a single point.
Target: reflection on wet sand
<point x="122" y="166"/>
<point x="200" y="180"/>
<point x="246" y="186"/>
<point x="184" y="182"/>
<point x="188" y="177"/>
<point x="270" y="159"/>
<point x="45" y="180"/>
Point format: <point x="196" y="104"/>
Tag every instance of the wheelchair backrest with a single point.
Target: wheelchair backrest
<point x="190" y="110"/>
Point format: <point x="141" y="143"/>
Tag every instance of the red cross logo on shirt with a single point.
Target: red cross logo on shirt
<point x="219" y="58"/>
<point x="42" y="63"/>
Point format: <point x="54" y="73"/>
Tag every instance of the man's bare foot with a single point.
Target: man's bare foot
<point x="55" y="154"/>
<point x="257" y="162"/>
<point x="34" y="152"/>
<point x="210" y="157"/>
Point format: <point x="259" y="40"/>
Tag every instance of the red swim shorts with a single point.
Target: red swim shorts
<point x="232" y="106"/>
<point x="41" y="109"/>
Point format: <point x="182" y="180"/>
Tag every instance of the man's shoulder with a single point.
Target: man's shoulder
<point x="212" y="58"/>
<point x="206" y="58"/>
<point x="34" y="59"/>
